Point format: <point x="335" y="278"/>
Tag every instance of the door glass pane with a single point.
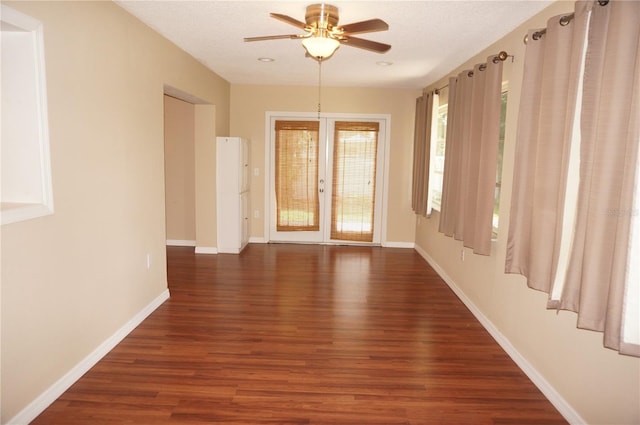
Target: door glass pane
<point x="296" y="176"/>
<point x="354" y="180"/>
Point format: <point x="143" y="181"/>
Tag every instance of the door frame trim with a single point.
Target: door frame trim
<point x="314" y="115"/>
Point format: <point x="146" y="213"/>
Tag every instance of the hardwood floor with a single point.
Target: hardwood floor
<point x="301" y="334"/>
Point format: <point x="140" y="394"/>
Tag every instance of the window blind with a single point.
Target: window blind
<point x="296" y="176"/>
<point x="354" y="180"/>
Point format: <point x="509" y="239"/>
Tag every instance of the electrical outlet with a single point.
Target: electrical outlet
<point x="148" y="261"/>
<point x="256" y="172"/>
<point x="256" y="213"/>
<point x="462" y="254"/>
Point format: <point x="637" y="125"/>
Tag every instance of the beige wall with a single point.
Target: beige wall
<point x="179" y="160"/>
<point x="602" y="386"/>
<point x="72" y="279"/>
<point x="205" y="164"/>
<point x="250" y="103"/>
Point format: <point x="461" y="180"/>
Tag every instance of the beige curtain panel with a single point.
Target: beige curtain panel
<point x="597" y="275"/>
<point x="596" y="281"/>
<point x="418" y="154"/>
<point x="450" y="181"/>
<point x="545" y="123"/>
<point x="471" y="156"/>
<point x="422" y="154"/>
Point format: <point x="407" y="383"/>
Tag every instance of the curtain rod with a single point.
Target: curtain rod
<point x="564" y="21"/>
<point x="502" y="56"/>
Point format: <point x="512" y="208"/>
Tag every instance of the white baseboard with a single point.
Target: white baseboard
<point x="206" y="250"/>
<point x="50" y="395"/>
<point x="389" y="244"/>
<point x="178" y="242"/>
<point x="538" y="380"/>
<point x="257" y="240"/>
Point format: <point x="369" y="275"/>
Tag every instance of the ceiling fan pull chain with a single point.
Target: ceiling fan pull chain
<point x="319" y="84"/>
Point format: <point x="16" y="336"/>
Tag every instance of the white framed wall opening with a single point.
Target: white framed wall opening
<point x="26" y="171"/>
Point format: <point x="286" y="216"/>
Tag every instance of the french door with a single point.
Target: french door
<point x="326" y="179"/>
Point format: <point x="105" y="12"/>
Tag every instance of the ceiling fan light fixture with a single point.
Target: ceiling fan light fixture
<point x="320" y="47"/>
<point x="323" y="35"/>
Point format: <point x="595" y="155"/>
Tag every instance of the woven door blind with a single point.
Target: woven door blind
<point x="296" y="175"/>
<point x="354" y="180"/>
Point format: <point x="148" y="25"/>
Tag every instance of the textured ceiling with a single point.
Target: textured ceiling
<point x="428" y="38"/>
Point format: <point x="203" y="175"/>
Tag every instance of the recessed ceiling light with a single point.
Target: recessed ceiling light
<point x="384" y="63"/>
<point x="266" y="59"/>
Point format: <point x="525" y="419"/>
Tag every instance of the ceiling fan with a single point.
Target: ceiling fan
<point x="323" y="35"/>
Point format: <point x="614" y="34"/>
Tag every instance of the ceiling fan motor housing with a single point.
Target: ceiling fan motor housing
<point x="322" y="16"/>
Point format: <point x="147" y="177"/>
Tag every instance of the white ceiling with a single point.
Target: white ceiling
<point x="428" y="38"/>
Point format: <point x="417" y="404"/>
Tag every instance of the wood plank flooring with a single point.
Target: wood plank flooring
<point x="302" y="334"/>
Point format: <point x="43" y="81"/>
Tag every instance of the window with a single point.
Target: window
<point x="437" y="156"/>
<point x="496" y="204"/>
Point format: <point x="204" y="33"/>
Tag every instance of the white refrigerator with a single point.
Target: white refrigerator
<point x="232" y="194"/>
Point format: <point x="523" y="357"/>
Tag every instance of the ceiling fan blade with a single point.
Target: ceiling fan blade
<point x="365" y="44"/>
<point x="273" y="37"/>
<point x="371" y="25"/>
<point x="289" y="20"/>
